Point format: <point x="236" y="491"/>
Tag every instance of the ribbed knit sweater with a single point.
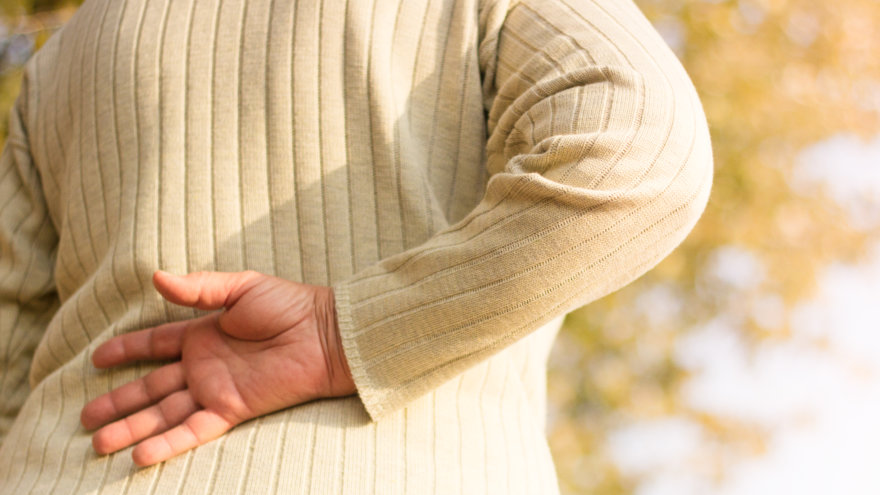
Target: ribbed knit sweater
<point x="462" y="173"/>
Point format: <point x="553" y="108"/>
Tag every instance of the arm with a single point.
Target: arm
<point x="27" y="255"/>
<point x="601" y="164"/>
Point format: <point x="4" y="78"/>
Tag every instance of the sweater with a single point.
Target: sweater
<point x="462" y="173"/>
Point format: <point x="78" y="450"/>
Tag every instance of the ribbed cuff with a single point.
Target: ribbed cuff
<point x="370" y="394"/>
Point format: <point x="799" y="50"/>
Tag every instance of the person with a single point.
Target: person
<point x="377" y="214"/>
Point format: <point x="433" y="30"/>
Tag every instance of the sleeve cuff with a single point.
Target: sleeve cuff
<point x="374" y="398"/>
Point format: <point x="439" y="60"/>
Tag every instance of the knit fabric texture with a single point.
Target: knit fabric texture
<point x="462" y="173"/>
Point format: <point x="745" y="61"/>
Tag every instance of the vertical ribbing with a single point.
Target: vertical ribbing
<point x="212" y="148"/>
<point x="115" y="142"/>
<point x="336" y="210"/>
<point x="286" y="253"/>
<point x="422" y="62"/>
<point x="485" y="425"/>
<point x="255" y="204"/>
<point x="93" y="478"/>
<point x="132" y="147"/>
<point x="316" y="142"/>
<point x="172" y="134"/>
<point x="113" y="149"/>
<point x="443" y="59"/>
<point x="307" y="145"/>
<point x="240" y="479"/>
<point x="225" y="145"/>
<point x="432" y="421"/>
<point x="182" y="476"/>
<point x="267" y="123"/>
<point x="70" y="201"/>
<point x="369" y="71"/>
<point x="320" y="91"/>
<point x="329" y="452"/>
<point x="527" y="459"/>
<point x="395" y="133"/>
<point x="160" y="190"/>
<point x="199" y="215"/>
<point x="264" y="452"/>
<point x="39" y="141"/>
<point x="215" y="469"/>
<point x="277" y="459"/>
<point x="339" y="475"/>
<point x="96" y="125"/>
<point x="359" y="456"/>
<point x="237" y="97"/>
<point x="81" y="202"/>
<point x="64" y="440"/>
<point x="390" y="447"/>
<point x="364" y="228"/>
<point x="508" y="435"/>
<point x="382" y="120"/>
<point x="308" y="472"/>
<point x="405" y="453"/>
<point x="474" y="451"/>
<point x="419" y="460"/>
<point x="27" y="452"/>
<point x="56" y="410"/>
<point x="451" y="214"/>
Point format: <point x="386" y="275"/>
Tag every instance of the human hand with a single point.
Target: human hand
<point x="275" y="345"/>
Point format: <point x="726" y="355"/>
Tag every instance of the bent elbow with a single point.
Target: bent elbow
<point x="678" y="184"/>
<point x="690" y="141"/>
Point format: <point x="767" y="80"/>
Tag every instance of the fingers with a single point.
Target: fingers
<point x="162" y="342"/>
<point x="133" y="396"/>
<point x="153" y="420"/>
<point x="203" y="290"/>
<point x="201" y="427"/>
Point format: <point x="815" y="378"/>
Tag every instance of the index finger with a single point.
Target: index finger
<point x="162" y="342"/>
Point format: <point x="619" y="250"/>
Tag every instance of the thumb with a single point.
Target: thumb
<point x="203" y="290"/>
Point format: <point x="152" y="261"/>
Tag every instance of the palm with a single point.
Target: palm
<point x="269" y="350"/>
<point x="247" y="378"/>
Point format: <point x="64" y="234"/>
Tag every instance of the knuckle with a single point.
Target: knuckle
<point x="113" y="403"/>
<point x="101" y="442"/>
<point x="149" y="386"/>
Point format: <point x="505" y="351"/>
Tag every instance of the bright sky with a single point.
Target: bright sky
<point x="822" y="406"/>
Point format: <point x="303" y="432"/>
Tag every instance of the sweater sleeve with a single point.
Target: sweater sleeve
<point x="600" y="164"/>
<point x="27" y="253"/>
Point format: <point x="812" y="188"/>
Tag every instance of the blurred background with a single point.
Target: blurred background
<point x="748" y="362"/>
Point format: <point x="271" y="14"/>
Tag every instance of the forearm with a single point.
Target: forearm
<point x="601" y="164"/>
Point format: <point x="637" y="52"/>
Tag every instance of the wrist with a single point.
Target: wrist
<point x="340" y="379"/>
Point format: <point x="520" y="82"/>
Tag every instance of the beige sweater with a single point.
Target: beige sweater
<point x="461" y="172"/>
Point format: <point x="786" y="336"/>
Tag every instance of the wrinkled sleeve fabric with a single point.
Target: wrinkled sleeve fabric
<point x="27" y="253"/>
<point x="600" y="164"/>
